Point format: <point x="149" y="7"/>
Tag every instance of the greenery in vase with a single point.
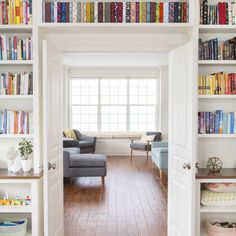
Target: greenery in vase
<point x="25" y="149"/>
<point x="12" y="153"/>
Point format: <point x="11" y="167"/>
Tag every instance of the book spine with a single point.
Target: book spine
<point x="137" y="12"/>
<point x="128" y="12"/>
<point x="100" y="12"/>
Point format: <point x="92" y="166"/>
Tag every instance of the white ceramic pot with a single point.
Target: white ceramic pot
<point x="26" y="165"/>
<point x="14" y="166"/>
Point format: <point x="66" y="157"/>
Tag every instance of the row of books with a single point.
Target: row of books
<point x="16" y="122"/>
<point x="16" y="12"/>
<point x="217" y="83"/>
<point x="218" y="122"/>
<point x="115" y="12"/>
<point x="15" y="48"/>
<point x="16" y="84"/>
<point x="215" y="49"/>
<point x="222" y="13"/>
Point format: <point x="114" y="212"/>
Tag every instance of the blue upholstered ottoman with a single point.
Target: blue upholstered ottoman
<point x="160" y="156"/>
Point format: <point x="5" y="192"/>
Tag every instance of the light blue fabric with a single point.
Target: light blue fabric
<point x="160" y="155"/>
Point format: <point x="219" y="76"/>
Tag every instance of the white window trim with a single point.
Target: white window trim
<point x="127" y="133"/>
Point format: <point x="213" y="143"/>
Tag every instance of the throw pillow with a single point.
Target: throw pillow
<point x="145" y="138"/>
<point x="69" y="133"/>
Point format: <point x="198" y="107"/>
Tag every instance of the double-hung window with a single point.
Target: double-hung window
<point x="114" y="104"/>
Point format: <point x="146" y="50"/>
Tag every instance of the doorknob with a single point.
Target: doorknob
<point x="186" y="165"/>
<point x="52" y="166"/>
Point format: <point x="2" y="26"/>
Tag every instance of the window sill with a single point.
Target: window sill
<point x="124" y="135"/>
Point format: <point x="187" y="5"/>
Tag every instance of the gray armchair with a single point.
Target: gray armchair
<point x="144" y="146"/>
<point x="86" y="143"/>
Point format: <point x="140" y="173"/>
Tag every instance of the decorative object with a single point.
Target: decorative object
<point x="25" y="149"/>
<point x="221" y="227"/>
<point x="14" y="164"/>
<point x="214" y="164"/>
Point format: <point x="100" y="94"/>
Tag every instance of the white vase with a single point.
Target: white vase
<point x="14" y="166"/>
<point x="26" y="165"/>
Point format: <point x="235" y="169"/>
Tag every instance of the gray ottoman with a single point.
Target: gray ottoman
<point x="83" y="165"/>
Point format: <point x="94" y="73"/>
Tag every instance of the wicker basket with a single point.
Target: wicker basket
<point x="18" y="230"/>
<point x="214" y="230"/>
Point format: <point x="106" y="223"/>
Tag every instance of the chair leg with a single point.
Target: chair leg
<point x="131" y="154"/>
<point x="103" y="180"/>
<point x="161" y="174"/>
<point x="147" y="156"/>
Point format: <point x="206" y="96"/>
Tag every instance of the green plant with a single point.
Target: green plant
<point x="25" y="149"/>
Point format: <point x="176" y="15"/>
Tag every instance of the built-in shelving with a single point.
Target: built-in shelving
<point x="118" y="27"/>
<point x="15" y="28"/>
<point x="4" y="97"/>
<point x="217" y="96"/>
<point x="217" y="28"/>
<point x="212" y="209"/>
<point x="217" y="62"/>
<point x="16" y="136"/>
<point x="16" y="62"/>
<point x="16" y="209"/>
<point x="216" y="135"/>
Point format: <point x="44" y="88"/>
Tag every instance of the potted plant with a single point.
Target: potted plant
<point x="26" y="149"/>
<point x="14" y="164"/>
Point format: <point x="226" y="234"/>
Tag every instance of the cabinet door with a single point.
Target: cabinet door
<point x="182" y="136"/>
<point x="52" y="140"/>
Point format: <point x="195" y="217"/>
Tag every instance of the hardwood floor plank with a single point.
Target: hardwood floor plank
<point x="132" y="202"/>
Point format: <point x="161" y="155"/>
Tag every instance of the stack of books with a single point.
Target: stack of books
<point x="15" y="12"/>
<point x="16" y="84"/>
<point x="223" y="13"/>
<point x="15" y="48"/>
<point x="115" y="12"/>
<point x="16" y="122"/>
<point x="217" y="84"/>
<point x="218" y="122"/>
<point x="215" y="49"/>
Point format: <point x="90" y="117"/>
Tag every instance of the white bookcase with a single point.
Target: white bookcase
<point x="220" y="145"/>
<point x="23" y="183"/>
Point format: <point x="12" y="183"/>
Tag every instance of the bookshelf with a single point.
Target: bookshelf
<point x="220" y="145"/>
<point x="23" y="183"/>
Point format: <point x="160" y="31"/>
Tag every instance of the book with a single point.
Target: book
<point x="114" y="12"/>
<point x="16" y="122"/>
<point x="16" y="48"/>
<point x="16" y="84"/>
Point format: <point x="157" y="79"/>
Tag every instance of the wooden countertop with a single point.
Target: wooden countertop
<point x="5" y="174"/>
<point x="225" y="173"/>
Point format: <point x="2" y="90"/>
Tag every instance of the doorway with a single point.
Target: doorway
<point x="172" y="223"/>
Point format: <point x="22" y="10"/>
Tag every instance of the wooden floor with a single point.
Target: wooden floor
<point x="132" y="202"/>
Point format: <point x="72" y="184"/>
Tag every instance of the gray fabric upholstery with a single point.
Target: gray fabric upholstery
<point x="86" y="143"/>
<point x="144" y="146"/>
<point x="139" y="146"/>
<point x="87" y="160"/>
<point x="82" y="165"/>
<point x="72" y="150"/>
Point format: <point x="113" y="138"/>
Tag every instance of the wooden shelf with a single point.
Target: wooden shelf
<point x="16" y="209"/>
<point x="5" y="174"/>
<point x="210" y="209"/>
<point x="217" y="62"/>
<point x="216" y="135"/>
<point x="224" y="96"/>
<point x="225" y="173"/>
<point x="16" y="96"/>
<point x="217" y="28"/>
<point x="16" y="62"/>
<point x="16" y="136"/>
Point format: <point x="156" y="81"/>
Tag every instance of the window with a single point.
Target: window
<point x="114" y="105"/>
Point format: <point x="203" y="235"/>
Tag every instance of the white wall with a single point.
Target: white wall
<point x="120" y="64"/>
